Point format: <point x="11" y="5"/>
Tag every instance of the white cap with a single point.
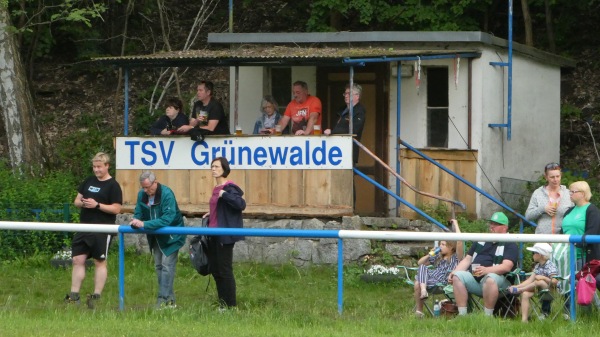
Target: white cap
<point x="541" y="248"/>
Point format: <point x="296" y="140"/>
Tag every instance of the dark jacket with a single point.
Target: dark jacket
<point x="358" y="124"/>
<point x="229" y="212"/>
<point x="164" y="212"/>
<point x="164" y="122"/>
<point x="592" y="227"/>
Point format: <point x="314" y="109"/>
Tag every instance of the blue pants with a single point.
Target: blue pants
<point x="165" y="273"/>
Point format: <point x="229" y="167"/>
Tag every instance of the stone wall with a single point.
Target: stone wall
<point x="301" y="251"/>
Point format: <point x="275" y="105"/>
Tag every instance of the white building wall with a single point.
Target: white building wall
<point x="535" y="122"/>
<point x="413" y="121"/>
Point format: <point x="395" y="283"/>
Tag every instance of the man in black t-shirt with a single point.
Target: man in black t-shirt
<point x="207" y="113"/>
<point x="100" y="199"/>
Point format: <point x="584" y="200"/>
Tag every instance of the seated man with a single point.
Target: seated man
<point x="493" y="260"/>
<point x="304" y="111"/>
<point x="173" y="119"/>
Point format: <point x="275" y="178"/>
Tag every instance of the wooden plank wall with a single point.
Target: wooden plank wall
<point x="429" y="178"/>
<point x="275" y="192"/>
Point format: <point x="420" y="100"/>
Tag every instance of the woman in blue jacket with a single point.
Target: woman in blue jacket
<point x="226" y="205"/>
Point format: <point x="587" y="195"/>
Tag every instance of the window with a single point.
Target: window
<point x="437" y="107"/>
<point x="281" y="86"/>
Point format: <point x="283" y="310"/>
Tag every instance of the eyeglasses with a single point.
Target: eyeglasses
<point x="551" y="166"/>
<point x="347" y="93"/>
<point x="573" y="192"/>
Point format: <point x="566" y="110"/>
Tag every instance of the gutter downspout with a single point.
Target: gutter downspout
<point x="398" y="115"/>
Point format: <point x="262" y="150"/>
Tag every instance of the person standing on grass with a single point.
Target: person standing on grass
<point x="225" y="211"/>
<point x="100" y="199"/>
<point x="157" y="208"/>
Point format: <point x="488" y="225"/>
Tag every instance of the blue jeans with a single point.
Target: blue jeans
<point x="165" y="273"/>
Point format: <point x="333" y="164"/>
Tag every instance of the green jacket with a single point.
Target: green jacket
<point x="164" y="212"/>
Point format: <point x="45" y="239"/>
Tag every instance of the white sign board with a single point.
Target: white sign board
<point x="252" y="153"/>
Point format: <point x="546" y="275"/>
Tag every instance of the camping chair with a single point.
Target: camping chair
<point x="556" y="297"/>
<point x="507" y="305"/>
<point x="435" y="293"/>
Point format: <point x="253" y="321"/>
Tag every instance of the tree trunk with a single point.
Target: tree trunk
<point x="527" y="23"/>
<point x="24" y="141"/>
<point x="549" y="28"/>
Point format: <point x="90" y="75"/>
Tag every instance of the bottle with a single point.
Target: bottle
<point x="434" y="251"/>
<point x="436" y="309"/>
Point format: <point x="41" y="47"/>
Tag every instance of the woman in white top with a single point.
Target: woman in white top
<point x="549" y="203"/>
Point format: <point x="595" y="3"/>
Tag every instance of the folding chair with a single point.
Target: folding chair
<point x="435" y="293"/>
<point x="556" y="298"/>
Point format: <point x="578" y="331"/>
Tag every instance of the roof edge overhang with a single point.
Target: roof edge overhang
<point x="385" y="37"/>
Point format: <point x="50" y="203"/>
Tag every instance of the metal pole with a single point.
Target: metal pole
<point x="340" y="275"/>
<point x="126" y="98"/>
<point x="510" y="67"/>
<point x="398" y="114"/>
<point x="121" y="271"/>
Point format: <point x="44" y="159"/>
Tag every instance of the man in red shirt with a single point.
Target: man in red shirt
<point x="304" y="111"/>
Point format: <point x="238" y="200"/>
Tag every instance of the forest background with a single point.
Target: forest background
<point x="58" y="108"/>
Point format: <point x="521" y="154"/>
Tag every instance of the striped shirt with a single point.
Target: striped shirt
<point x="439" y="273"/>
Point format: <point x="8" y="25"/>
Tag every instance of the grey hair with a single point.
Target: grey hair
<point x="147" y="175"/>
<point x="357" y="88"/>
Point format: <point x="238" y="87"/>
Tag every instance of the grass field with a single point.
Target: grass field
<point x="273" y="301"/>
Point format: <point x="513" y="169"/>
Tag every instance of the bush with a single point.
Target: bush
<point x="26" y="198"/>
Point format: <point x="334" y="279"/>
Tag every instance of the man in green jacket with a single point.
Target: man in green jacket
<point x="156" y="208"/>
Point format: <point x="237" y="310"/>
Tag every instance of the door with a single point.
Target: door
<point x="331" y="84"/>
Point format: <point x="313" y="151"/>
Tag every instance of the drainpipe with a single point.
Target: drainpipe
<point x="231" y="16"/>
<point x="398" y="110"/>
<point x="126" y="98"/>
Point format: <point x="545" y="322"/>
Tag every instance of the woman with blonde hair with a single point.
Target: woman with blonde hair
<point x="582" y="219"/>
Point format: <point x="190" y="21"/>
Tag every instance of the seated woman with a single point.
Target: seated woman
<point x="269" y="118"/>
<point x="444" y="261"/>
<point x="172" y="120"/>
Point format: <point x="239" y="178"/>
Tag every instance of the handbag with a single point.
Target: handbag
<point x="592" y="267"/>
<point x="586" y="288"/>
<point x="448" y="309"/>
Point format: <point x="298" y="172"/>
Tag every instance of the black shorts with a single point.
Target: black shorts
<point x="93" y="245"/>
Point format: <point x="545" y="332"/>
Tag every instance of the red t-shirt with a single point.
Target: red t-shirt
<point x="300" y="112"/>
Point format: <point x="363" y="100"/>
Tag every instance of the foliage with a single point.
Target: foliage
<point x="570" y="111"/>
<point x="45" y="26"/>
<point x="89" y="135"/>
<point x="26" y="198"/>
<point x="436" y="15"/>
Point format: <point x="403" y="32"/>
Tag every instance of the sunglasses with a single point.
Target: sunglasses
<point x="551" y="166"/>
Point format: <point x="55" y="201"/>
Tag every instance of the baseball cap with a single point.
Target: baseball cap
<point x="499" y="218"/>
<point x="541" y="248"/>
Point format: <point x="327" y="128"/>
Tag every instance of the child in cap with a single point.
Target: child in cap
<point x="541" y="277"/>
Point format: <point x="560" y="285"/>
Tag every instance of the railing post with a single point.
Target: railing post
<point x="121" y="271"/>
<point x="340" y="275"/>
<point x="67" y="213"/>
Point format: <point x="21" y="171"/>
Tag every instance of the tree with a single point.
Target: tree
<point x="24" y="141"/>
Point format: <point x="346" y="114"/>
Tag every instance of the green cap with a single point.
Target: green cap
<point x="500" y="218"/>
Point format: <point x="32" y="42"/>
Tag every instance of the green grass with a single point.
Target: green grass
<point x="272" y="301"/>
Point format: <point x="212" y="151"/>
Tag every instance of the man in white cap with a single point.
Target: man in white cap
<point x="541" y="278"/>
<point x="489" y="263"/>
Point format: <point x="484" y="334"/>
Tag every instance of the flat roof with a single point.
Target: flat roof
<point x="396" y="38"/>
<point x="246" y="55"/>
<point x="328" y="49"/>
